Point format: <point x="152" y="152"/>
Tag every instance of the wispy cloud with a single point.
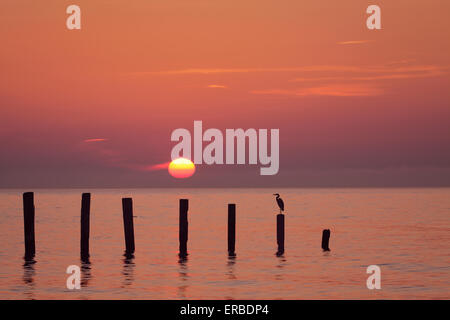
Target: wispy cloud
<point x="330" y="90"/>
<point x="401" y="62"/>
<point x="354" y="42"/>
<point x="155" y="167"/>
<point x="107" y="155"/>
<point x="395" y="67"/>
<point x="329" y="80"/>
<point x="370" y="73"/>
<point x="218" y="86"/>
<point x="206" y="71"/>
<point x="345" y="81"/>
<point x="95" y="140"/>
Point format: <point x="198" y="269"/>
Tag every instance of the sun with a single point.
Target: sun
<point x="181" y="168"/>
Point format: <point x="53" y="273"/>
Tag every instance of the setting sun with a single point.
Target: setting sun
<point x="181" y="168"/>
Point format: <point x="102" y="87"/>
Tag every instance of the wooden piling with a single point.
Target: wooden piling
<point x="231" y="229"/>
<point x="280" y="233"/>
<point x="85" y="225"/>
<point x="325" y="239"/>
<point x="28" y="224"/>
<point x="183" y="227"/>
<point x="127" y="207"/>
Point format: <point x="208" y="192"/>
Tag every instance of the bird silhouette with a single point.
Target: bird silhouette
<point x="279" y="201"/>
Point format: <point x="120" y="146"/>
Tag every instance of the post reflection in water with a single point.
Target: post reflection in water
<point x="85" y="272"/>
<point x="183" y="275"/>
<point x="231" y="276"/>
<point x="280" y="266"/>
<point x="326" y="253"/>
<point x="128" y="270"/>
<point x="28" y="277"/>
<point x="230" y="267"/>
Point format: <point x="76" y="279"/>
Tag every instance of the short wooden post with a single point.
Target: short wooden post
<point x="127" y="206"/>
<point x="231" y="229"/>
<point x="280" y="233"/>
<point x="183" y="227"/>
<point x="85" y="225"/>
<point x="325" y="239"/>
<point x="28" y="224"/>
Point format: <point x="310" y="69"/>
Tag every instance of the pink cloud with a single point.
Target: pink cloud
<point x="330" y="90"/>
<point x="354" y="42"/>
<point x="155" y="167"/>
<point x="95" y="140"/>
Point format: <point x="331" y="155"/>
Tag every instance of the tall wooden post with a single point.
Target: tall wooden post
<point x="183" y="227"/>
<point x="28" y="224"/>
<point x="85" y="225"/>
<point x="127" y="207"/>
<point x="231" y="229"/>
<point x="325" y="239"/>
<point x="280" y="233"/>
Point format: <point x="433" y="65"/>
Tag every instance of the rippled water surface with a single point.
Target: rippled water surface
<point x="404" y="231"/>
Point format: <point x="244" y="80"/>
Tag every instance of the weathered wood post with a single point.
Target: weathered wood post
<point x="183" y="228"/>
<point x="231" y="229"/>
<point x="85" y="225"/>
<point x="280" y="233"/>
<point x="127" y="207"/>
<point x="28" y="225"/>
<point x="325" y="239"/>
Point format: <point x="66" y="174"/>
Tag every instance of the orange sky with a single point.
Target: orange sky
<point x="354" y="106"/>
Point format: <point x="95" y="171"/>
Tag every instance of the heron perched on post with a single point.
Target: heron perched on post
<point x="279" y="201"/>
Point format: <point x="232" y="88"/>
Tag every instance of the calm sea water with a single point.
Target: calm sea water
<point x="404" y="231"/>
